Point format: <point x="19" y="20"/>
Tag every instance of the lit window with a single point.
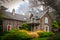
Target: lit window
<point x="46" y="19"/>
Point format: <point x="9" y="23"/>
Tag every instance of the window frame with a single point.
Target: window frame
<point x="46" y="20"/>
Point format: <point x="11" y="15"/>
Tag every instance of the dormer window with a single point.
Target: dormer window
<point x="46" y="19"/>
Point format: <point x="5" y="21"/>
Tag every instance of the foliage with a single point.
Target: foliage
<point x="55" y="37"/>
<point x="45" y="34"/>
<point x="25" y="26"/>
<point x="54" y="4"/>
<point x="31" y="34"/>
<point x="2" y="10"/>
<point x="15" y="35"/>
<point x="55" y="24"/>
<point x="25" y="31"/>
<point x="39" y="39"/>
<point x="0" y="28"/>
<point x="39" y="31"/>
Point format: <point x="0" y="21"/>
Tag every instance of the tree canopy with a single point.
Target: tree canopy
<point x="55" y="4"/>
<point x="2" y="10"/>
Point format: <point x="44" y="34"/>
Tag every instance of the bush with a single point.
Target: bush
<point x="25" y="26"/>
<point x="1" y="30"/>
<point x="55" y="37"/>
<point x="31" y="34"/>
<point x="39" y="39"/>
<point x="45" y="34"/>
<point x="55" y="24"/>
<point x="39" y="31"/>
<point x="15" y="35"/>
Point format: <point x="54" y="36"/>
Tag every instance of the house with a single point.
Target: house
<point x="11" y="20"/>
<point x="43" y="22"/>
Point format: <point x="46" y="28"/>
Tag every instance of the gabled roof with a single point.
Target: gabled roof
<point x="2" y="8"/>
<point x="40" y="14"/>
<point x="9" y="15"/>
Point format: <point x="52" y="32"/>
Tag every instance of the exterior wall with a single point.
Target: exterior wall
<point x="43" y="25"/>
<point x="13" y="23"/>
<point x="43" y="21"/>
<point x="16" y="24"/>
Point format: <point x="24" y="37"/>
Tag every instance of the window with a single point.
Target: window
<point x="46" y="19"/>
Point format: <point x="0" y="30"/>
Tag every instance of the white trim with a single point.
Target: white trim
<point x="46" y="20"/>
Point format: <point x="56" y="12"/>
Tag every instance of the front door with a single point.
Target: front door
<point x="46" y="28"/>
<point x="9" y="27"/>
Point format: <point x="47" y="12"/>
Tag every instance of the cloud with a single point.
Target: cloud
<point x="22" y="7"/>
<point x="19" y="6"/>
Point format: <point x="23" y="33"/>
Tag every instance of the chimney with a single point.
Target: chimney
<point x="13" y="12"/>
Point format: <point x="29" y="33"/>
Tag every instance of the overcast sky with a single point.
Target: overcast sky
<point x="20" y="6"/>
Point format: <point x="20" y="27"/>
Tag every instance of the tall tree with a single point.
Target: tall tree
<point x="55" y="4"/>
<point x="2" y="10"/>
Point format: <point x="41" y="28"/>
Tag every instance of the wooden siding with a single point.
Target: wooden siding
<point x="43" y="21"/>
<point x="14" y="24"/>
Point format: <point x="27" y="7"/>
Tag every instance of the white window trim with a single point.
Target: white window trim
<point x="46" y="19"/>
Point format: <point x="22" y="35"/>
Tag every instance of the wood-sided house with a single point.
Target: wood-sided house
<point x="42" y="20"/>
<point x="12" y="20"/>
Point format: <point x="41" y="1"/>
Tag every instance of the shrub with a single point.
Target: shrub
<point x="39" y="39"/>
<point x="55" y="37"/>
<point x="31" y="34"/>
<point x="15" y="35"/>
<point x="25" y="26"/>
<point x="55" y="24"/>
<point x="45" y="34"/>
<point x="39" y="31"/>
<point x="1" y="30"/>
<point x="24" y="31"/>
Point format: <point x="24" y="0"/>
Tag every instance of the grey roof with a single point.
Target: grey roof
<point x="15" y="17"/>
<point x="40" y="14"/>
<point x="21" y="17"/>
